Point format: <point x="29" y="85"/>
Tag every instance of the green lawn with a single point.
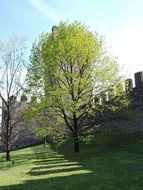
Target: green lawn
<point x="108" y="163"/>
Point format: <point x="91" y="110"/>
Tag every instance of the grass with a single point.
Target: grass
<point x="108" y="163"/>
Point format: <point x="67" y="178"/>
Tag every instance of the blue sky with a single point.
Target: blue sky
<point x="119" y="21"/>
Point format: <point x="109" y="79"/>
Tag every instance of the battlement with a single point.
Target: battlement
<point x="23" y="99"/>
<point x="135" y="92"/>
<point x="138" y="77"/>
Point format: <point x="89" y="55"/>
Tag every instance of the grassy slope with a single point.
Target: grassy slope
<point x="110" y="163"/>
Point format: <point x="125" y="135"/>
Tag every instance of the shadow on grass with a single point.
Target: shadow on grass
<point x="55" y="173"/>
<point x="65" y="182"/>
<point x="56" y="170"/>
<point x="97" y="167"/>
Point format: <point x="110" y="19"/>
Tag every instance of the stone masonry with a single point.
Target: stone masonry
<point x="21" y="133"/>
<point x="134" y="124"/>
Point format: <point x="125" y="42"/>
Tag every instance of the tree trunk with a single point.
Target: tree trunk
<point x="7" y="150"/>
<point x="7" y="136"/>
<point x="76" y="138"/>
<point x="76" y="144"/>
<point x="7" y="155"/>
<point x="45" y="142"/>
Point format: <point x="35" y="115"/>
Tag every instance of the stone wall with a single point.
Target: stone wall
<point x="21" y="135"/>
<point x="135" y="123"/>
<point x="132" y="125"/>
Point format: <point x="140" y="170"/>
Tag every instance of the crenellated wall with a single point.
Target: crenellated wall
<point x="136" y="93"/>
<point x="134" y="124"/>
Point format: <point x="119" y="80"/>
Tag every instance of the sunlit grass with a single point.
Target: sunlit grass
<point x="37" y="163"/>
<point x="110" y="163"/>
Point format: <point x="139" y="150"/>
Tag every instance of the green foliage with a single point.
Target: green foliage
<point x="45" y="123"/>
<point x="68" y="68"/>
<point x="35" y="71"/>
<point x="87" y="138"/>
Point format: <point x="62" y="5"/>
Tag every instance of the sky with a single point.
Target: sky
<point x="120" y="22"/>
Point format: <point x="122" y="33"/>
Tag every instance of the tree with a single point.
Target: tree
<point x="74" y="68"/>
<point x="12" y="77"/>
<point x="46" y="123"/>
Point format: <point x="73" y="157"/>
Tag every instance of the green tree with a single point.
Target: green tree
<point x="74" y="68"/>
<point x="44" y="121"/>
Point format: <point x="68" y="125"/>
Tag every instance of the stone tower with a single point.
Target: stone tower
<point x="139" y="79"/>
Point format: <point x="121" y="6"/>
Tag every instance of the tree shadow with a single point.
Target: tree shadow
<point x="69" y="182"/>
<point x="95" y="168"/>
<point x="52" y="172"/>
<point x="53" y="164"/>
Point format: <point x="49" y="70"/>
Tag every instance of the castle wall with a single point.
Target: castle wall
<point x="135" y="123"/>
<point x="21" y="135"/>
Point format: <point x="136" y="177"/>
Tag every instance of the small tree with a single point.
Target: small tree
<point x="38" y="114"/>
<point x="12" y="76"/>
<point x="74" y="68"/>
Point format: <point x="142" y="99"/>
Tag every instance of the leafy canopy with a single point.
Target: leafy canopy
<point x="69" y="67"/>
